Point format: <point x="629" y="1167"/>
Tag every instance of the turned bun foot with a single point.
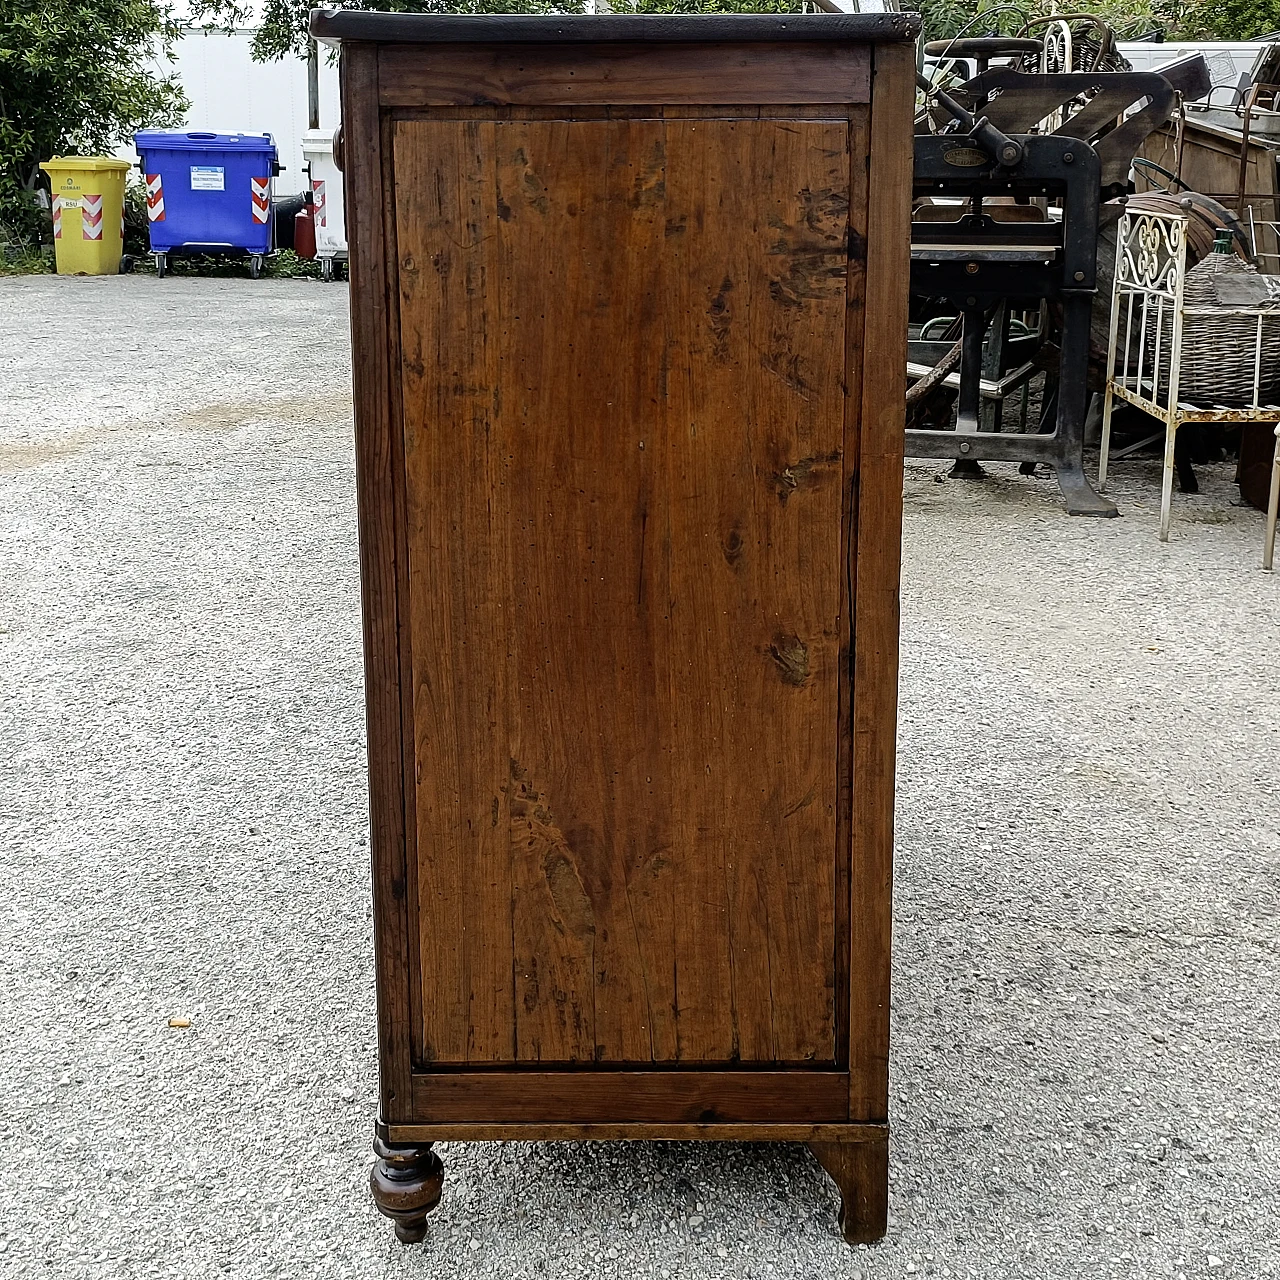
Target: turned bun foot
<point x="860" y="1171"/>
<point x="406" y="1184"/>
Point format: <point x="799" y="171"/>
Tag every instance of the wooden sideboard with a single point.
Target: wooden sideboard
<point x="628" y="302"/>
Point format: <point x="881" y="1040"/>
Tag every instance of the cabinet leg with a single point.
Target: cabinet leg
<point x="861" y="1172"/>
<point x="406" y="1183"/>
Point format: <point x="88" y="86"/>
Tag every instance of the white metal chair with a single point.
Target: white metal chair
<point x="1145" y="364"/>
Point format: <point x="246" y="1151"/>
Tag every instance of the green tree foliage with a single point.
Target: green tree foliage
<point x="1178" y="19"/>
<point x="1232" y="20"/>
<point x="711" y="6"/>
<point x="75" y="78"/>
<point x="283" y="23"/>
<point x="944" y="18"/>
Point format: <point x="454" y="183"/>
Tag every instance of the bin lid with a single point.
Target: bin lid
<point x="202" y="140"/>
<point x="317" y="140"/>
<point x="90" y="164"/>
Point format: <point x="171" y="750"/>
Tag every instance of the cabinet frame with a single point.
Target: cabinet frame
<point x="842" y="1111"/>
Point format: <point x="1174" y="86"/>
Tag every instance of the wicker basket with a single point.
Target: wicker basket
<point x="1220" y="352"/>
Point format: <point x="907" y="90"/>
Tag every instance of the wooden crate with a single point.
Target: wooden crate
<point x="629" y="327"/>
<point x="1211" y="164"/>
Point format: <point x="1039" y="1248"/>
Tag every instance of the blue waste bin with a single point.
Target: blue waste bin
<point x="208" y="193"/>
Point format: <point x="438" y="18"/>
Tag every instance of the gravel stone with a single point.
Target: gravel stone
<point x="1087" y="851"/>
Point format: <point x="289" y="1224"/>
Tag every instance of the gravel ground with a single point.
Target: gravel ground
<point x="1088" y="880"/>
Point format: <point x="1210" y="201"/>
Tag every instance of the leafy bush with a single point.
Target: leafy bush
<point x="23" y="260"/>
<point x="1179" y="19"/>
<point x="284" y="264"/>
<point x="74" y="79"/>
<point x="283" y="26"/>
<point x="137" y="234"/>
<point x="1233" y="19"/>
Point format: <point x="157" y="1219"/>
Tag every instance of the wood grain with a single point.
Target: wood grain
<point x="610" y="1132"/>
<point x="624" y="513"/>
<point x="635" y="1097"/>
<point x="493" y="74"/>
<point x="877" y="570"/>
<point x="860" y="1170"/>
<point x="855" y="320"/>
<point x="629" y="333"/>
<point x="1211" y="165"/>
<point x="371" y="342"/>
<point x="741" y="111"/>
<point x="754" y="525"/>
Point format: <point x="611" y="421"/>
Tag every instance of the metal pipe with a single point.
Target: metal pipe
<point x="970" y="400"/>
<point x="313" y="85"/>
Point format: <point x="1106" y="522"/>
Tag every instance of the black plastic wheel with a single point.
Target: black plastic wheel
<point x="127" y="264"/>
<point x="255" y="266"/>
<point x="162" y="265"/>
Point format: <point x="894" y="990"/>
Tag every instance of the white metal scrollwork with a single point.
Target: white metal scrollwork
<point x="1151" y="253"/>
<point x="1145" y="351"/>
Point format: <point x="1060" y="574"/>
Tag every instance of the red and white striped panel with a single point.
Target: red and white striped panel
<point x="261" y="199"/>
<point x="155" y="198"/>
<point x="317" y="202"/>
<point x="91" y="217"/>
<point x="57" y="217"/>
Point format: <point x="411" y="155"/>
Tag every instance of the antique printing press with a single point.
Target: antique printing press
<point x="997" y="256"/>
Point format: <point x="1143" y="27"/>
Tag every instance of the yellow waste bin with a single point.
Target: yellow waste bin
<point x="88" y="213"/>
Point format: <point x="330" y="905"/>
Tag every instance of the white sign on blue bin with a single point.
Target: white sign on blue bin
<point x="207" y="177"/>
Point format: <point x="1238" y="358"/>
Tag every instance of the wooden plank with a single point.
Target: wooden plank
<point x="409" y="1134"/>
<point x="876" y="608"/>
<point x="860" y="1169"/>
<point x="459" y="582"/>
<point x="630" y="1097"/>
<point x="609" y="28"/>
<point x="379" y="553"/>
<point x="403" y="636"/>
<point x="593" y="847"/>
<point x="758" y="514"/>
<point x="644" y="724"/>
<point x="667" y="74"/>
<point x="624" y="111"/>
<point x="855" y="317"/>
<point x="1211" y="165"/>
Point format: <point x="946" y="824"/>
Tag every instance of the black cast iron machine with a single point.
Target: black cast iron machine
<point x="1010" y="179"/>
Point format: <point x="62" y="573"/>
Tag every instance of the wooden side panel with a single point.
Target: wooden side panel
<point x="634" y="1097"/>
<point x="636" y="74"/>
<point x="877" y="567"/>
<point x="624" y="420"/>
